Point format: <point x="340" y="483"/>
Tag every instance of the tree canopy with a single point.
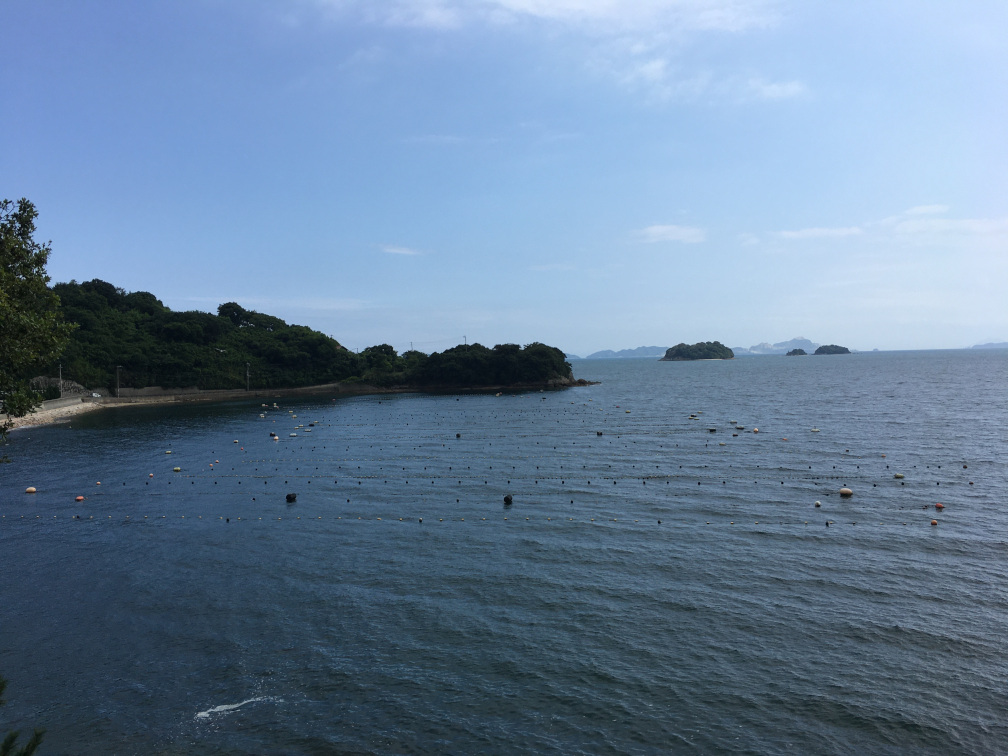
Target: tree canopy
<point x="155" y="346"/>
<point x="832" y="349"/>
<point x="702" y="350"/>
<point x="32" y="332"/>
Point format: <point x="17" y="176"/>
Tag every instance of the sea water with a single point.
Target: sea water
<point x="662" y="582"/>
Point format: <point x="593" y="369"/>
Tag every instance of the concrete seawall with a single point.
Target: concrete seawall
<point x="67" y="401"/>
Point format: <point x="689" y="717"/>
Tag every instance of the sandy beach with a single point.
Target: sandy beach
<point x="55" y="415"/>
<point x="50" y="416"/>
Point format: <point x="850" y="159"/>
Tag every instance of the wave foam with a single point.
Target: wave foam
<point x="231" y="707"/>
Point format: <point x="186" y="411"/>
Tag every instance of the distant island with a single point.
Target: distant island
<point x="703" y="350"/>
<point x="792" y="348"/>
<point x="832" y="349"/>
<point x="645" y="352"/>
<point x="781" y="347"/>
<point x="127" y="342"/>
<point x="993" y="345"/>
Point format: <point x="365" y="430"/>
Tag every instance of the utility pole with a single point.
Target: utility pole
<point x="117" y="380"/>
<point x="61" y="380"/>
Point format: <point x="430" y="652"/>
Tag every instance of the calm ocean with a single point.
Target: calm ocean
<point x="661" y="583"/>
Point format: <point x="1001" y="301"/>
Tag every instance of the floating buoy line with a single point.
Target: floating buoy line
<point x="562" y="470"/>
<point x="350" y="518"/>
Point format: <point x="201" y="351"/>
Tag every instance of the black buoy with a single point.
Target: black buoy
<point x="291" y="498"/>
<point x="507" y="500"/>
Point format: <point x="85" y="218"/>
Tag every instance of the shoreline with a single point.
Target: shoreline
<point x="43" y="416"/>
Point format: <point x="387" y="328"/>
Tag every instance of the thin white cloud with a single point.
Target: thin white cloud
<point x="440" y="139"/>
<point x="598" y="16"/>
<point x="638" y="45"/>
<point x="274" y="304"/>
<point x="657" y="77"/>
<point x="953" y="226"/>
<point x="323" y="303"/>
<point x="927" y="210"/>
<point x="392" y="249"/>
<point x="821" y="233"/>
<point x="450" y="140"/>
<point x="775" y="90"/>
<point x="920" y="225"/>
<point x="550" y="267"/>
<point x="684" y="234"/>
<point x="426" y="14"/>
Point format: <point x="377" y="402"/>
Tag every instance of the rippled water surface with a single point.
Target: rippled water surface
<point x="660" y="584"/>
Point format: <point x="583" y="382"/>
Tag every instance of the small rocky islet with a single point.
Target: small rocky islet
<point x="702" y="350"/>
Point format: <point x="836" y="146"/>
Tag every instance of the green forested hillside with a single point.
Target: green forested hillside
<point x="703" y="350"/>
<point x="155" y="346"/>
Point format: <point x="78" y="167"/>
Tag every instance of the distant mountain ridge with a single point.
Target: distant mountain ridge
<point x="991" y="345"/>
<point x="781" y="347"/>
<point x="622" y="354"/>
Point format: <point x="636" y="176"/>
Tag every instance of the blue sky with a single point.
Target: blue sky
<point x="587" y="173"/>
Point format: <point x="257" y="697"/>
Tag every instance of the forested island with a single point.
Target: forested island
<point x="703" y="350"/>
<point x="832" y="349"/>
<point x="133" y="340"/>
<point x="796" y="353"/>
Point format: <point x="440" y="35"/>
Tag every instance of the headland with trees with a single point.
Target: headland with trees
<point x="99" y="337"/>
<point x="132" y="339"/>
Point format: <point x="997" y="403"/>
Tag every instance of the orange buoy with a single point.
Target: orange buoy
<point x="30" y="489"/>
<point x="934" y="522"/>
<point x="939" y="506"/>
<point x="846" y="492"/>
